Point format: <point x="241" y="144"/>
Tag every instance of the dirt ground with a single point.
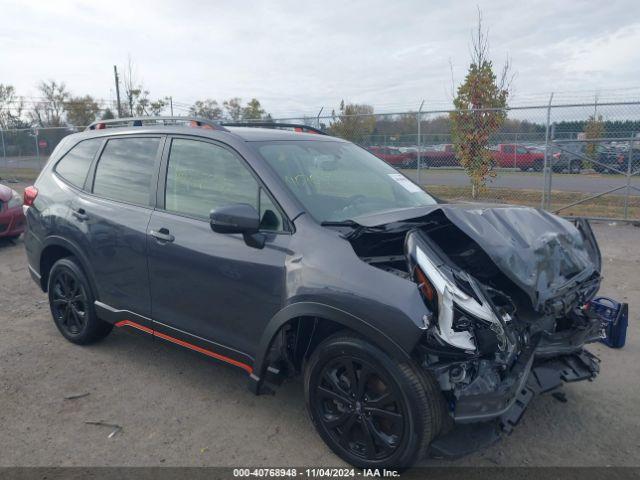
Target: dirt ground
<point x="178" y="408"/>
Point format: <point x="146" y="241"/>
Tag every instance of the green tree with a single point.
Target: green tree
<point x="50" y="111"/>
<point x="253" y="110"/>
<point x="233" y="108"/>
<point x="355" y="122"/>
<point x="81" y="111"/>
<point x="208" y="108"/>
<point x="108" y="114"/>
<point x="479" y="111"/>
<point x="594" y="128"/>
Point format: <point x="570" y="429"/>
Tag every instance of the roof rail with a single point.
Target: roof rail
<point x="300" y="126"/>
<point x="139" y="121"/>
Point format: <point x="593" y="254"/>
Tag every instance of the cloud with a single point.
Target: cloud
<point x="297" y="57"/>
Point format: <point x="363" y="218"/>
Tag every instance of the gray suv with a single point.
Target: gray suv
<point x="418" y="326"/>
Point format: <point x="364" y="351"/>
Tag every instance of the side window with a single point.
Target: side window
<point x="202" y="176"/>
<point x="507" y="149"/>
<point x="125" y="169"/>
<point x="74" y="166"/>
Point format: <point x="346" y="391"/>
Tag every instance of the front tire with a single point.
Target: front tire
<point x="71" y="303"/>
<point x="575" y="166"/>
<point x="369" y="409"/>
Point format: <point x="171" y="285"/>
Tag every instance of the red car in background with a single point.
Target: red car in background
<point x="11" y="215"/>
<point x="395" y="157"/>
<point x="511" y="155"/>
<point x="441" y="156"/>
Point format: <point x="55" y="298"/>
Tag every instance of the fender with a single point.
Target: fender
<point x="77" y="253"/>
<point x="314" y="309"/>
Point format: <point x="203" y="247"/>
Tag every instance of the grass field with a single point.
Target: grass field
<point x="607" y="206"/>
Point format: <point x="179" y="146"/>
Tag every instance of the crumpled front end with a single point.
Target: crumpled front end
<point x="494" y="343"/>
<point x="507" y="290"/>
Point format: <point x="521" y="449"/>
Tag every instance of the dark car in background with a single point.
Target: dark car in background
<point x="616" y="159"/>
<point x="564" y="157"/>
<point x="11" y="216"/>
<point x="294" y="254"/>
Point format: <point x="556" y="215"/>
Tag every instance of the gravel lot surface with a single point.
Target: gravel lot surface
<point x="178" y="408"/>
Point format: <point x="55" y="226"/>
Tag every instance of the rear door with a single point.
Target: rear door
<point x="212" y="289"/>
<point x="112" y="217"/>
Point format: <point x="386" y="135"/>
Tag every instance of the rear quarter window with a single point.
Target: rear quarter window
<point x="74" y="166"/>
<point x="125" y="169"/>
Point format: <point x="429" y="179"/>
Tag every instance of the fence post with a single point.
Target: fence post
<point x="628" y="189"/>
<point x="4" y="151"/>
<point x="515" y="152"/>
<point x="546" y="195"/>
<point x="35" y="136"/>
<point x="419" y="152"/>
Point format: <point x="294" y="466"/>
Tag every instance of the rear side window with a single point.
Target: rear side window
<point x="74" y="166"/>
<point x="125" y="169"/>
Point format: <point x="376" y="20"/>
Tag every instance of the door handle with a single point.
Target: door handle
<point x="162" y="235"/>
<point x="80" y="214"/>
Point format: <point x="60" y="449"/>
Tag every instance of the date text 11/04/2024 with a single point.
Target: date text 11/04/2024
<point x="315" y="473"/>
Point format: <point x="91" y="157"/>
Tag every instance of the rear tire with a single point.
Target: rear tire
<point x="71" y="301"/>
<point x="538" y="165"/>
<point x="372" y="411"/>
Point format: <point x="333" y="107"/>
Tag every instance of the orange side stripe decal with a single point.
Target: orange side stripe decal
<point x="204" y="351"/>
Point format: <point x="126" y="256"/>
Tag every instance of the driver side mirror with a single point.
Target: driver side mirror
<point x="238" y="218"/>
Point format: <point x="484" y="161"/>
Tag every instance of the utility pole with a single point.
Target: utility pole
<point x="171" y="105"/>
<point x="115" y="73"/>
<point x="419" y="152"/>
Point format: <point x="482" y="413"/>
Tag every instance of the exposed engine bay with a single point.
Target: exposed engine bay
<point x="507" y="289"/>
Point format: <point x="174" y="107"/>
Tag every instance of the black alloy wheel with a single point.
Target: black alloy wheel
<point x="69" y="305"/>
<point x="370" y="409"/>
<point x="360" y="408"/>
<point x="71" y="301"/>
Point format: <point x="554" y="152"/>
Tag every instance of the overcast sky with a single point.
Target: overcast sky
<point x="298" y="56"/>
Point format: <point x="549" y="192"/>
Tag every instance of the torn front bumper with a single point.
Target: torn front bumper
<point x="531" y="378"/>
<point x="481" y="419"/>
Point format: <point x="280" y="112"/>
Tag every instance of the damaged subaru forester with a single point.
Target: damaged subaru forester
<point x="418" y="326"/>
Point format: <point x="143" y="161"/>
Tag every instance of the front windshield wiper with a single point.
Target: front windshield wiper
<point x="340" y="223"/>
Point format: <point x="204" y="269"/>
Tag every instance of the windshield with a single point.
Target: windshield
<point x="338" y="181"/>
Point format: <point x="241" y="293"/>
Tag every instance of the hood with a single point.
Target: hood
<point x="541" y="253"/>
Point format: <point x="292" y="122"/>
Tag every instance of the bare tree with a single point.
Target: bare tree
<point x="233" y="108"/>
<point x="11" y="107"/>
<point x="137" y="100"/>
<point x="49" y="112"/>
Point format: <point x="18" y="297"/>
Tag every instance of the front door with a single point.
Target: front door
<point x="205" y="286"/>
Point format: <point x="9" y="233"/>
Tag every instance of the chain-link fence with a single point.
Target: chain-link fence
<point x="577" y="160"/>
<point x="23" y="152"/>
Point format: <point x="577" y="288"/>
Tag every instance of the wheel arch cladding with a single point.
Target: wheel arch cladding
<point x="56" y="248"/>
<point x="306" y="311"/>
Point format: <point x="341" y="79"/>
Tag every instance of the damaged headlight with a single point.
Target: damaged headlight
<point x="458" y="311"/>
